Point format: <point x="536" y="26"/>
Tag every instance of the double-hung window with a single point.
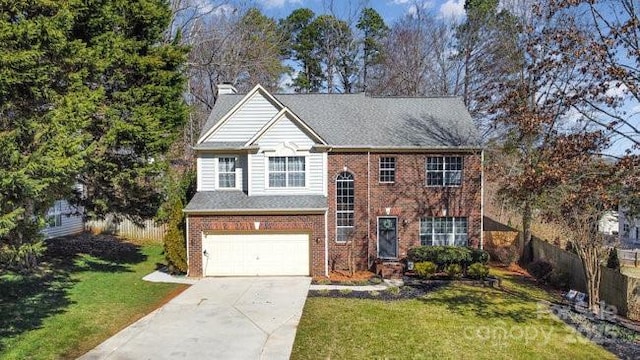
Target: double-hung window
<point x="345" y="209"/>
<point x="446" y="231"/>
<point x="287" y="171"/>
<point x="387" y="171"/>
<point x="444" y="170"/>
<point x="227" y="172"/>
<point x="54" y="216"/>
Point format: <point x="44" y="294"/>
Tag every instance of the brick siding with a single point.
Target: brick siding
<point x="407" y="198"/>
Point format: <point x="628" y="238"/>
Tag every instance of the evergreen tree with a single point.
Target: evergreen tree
<point x="87" y="94"/>
<point x="613" y="262"/>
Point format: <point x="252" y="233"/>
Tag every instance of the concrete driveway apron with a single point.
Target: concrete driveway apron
<point x="216" y="318"/>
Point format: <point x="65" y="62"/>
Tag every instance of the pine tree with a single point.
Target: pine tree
<point x="87" y="94"/>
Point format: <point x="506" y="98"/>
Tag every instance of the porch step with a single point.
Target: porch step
<point x="390" y="269"/>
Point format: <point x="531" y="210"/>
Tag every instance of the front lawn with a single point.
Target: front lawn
<point x="89" y="288"/>
<point x="453" y="322"/>
<point x="630" y="271"/>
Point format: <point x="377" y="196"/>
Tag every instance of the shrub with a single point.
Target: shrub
<point x="453" y="270"/>
<point x="175" y="245"/>
<point x="479" y="256"/>
<point x="393" y="290"/>
<point x="441" y="255"/>
<point x="425" y="269"/>
<point x="540" y="269"/>
<point x="613" y="262"/>
<point x="560" y="279"/>
<point x="375" y="280"/>
<point x="345" y="291"/>
<point x="478" y="271"/>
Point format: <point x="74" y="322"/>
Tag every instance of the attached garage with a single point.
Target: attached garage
<point x="255" y="254"/>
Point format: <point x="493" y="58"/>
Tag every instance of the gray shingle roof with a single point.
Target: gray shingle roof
<point x="231" y="201"/>
<point x="360" y="120"/>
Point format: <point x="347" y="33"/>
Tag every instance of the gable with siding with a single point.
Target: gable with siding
<point x="252" y="115"/>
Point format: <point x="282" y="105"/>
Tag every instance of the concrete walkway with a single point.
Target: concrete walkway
<point x="216" y="318"/>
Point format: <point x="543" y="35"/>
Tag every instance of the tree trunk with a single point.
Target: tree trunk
<point x="526" y="252"/>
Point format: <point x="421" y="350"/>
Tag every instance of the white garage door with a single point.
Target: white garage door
<point x="255" y="254"/>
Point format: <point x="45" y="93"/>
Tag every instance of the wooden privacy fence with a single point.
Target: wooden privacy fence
<point x="149" y="231"/>
<point x="615" y="288"/>
<point x="629" y="257"/>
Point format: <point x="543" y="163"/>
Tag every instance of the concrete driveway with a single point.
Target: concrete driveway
<point x="216" y="318"/>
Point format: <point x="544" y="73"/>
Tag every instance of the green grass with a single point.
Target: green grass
<point x="88" y="290"/>
<point x="453" y="322"/>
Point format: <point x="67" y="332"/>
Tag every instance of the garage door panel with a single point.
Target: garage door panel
<point x="256" y="254"/>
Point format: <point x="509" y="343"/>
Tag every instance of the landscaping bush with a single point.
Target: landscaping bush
<point x="560" y="279"/>
<point x="613" y="262"/>
<point x="175" y="244"/>
<point x="453" y="271"/>
<point x="540" y="269"/>
<point x="425" y="269"/>
<point x="441" y="255"/>
<point x="478" y="271"/>
<point x="479" y="256"/>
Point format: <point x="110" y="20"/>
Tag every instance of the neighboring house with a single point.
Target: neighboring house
<point x="299" y="184"/>
<point x="62" y="219"/>
<point x="608" y="223"/>
<point x="629" y="229"/>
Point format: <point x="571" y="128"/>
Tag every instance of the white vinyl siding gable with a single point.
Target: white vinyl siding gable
<point x="285" y="138"/>
<point x="208" y="172"/>
<point x="284" y="130"/>
<point x="242" y="125"/>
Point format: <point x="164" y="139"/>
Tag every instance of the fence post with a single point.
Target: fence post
<point x="635" y="261"/>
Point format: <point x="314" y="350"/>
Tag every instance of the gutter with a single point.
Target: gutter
<point x="256" y="211"/>
<point x="398" y="149"/>
<point x="482" y="199"/>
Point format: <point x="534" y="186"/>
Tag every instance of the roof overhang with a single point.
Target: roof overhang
<point x="399" y="149"/>
<point x="239" y="149"/>
<point x="255" y="211"/>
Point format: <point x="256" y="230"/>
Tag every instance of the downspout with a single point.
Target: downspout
<point x="369" y="262"/>
<point x="326" y="221"/>
<point x="326" y="244"/>
<point x="482" y="199"/>
<point x="187" y="238"/>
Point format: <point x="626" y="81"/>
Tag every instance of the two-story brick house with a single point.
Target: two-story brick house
<point x="299" y="184"/>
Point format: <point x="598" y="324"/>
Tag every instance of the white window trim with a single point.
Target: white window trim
<point x="426" y="178"/>
<point x="395" y="169"/>
<point x="353" y="212"/>
<point x="267" y="171"/>
<point x="217" y="173"/>
<point x="56" y="213"/>
<point x="433" y="233"/>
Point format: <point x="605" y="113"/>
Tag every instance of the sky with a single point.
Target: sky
<point x="390" y="10"/>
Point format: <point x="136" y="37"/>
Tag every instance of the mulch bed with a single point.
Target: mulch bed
<point x="411" y="290"/>
<point x="614" y="336"/>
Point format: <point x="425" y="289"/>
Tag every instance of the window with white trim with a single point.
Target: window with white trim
<point x="287" y="171"/>
<point x="54" y="216"/>
<point x="387" y="170"/>
<point x="345" y="210"/>
<point x="446" y="231"/>
<point x="227" y="172"/>
<point x="444" y="170"/>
